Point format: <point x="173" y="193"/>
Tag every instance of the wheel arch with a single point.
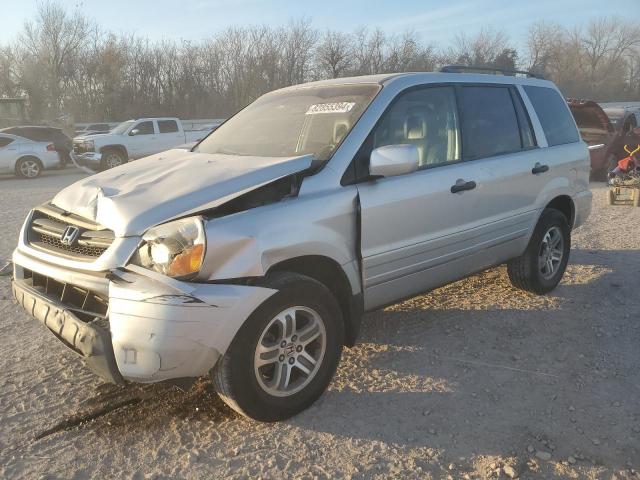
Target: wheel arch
<point x="564" y="204"/>
<point x="328" y="272"/>
<point x="120" y="148"/>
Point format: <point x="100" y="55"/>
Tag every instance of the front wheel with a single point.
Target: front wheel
<point x="112" y="159"/>
<point x="284" y="356"/>
<point x="540" y="268"/>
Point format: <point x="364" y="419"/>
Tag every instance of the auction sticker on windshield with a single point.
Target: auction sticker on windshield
<point x="336" y="107"/>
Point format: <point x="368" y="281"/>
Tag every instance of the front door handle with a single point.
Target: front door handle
<point x="538" y="168"/>
<point x="461" y="186"/>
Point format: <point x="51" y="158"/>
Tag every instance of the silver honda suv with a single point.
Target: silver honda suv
<point x="253" y="256"/>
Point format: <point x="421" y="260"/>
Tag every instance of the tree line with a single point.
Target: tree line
<point x="64" y="63"/>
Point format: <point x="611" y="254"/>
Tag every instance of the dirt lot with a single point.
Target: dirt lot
<point x="469" y="381"/>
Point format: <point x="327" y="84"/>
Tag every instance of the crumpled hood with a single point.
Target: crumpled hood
<point x="136" y="196"/>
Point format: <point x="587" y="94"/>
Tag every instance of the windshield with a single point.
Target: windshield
<point x="309" y="120"/>
<point x="123" y="127"/>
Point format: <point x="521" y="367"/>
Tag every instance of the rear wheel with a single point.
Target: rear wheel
<point x="112" y="158"/>
<point x="285" y="354"/>
<point x="611" y="196"/>
<point x="28" y="167"/>
<point x="540" y="268"/>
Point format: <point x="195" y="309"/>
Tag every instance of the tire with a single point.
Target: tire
<point x="112" y="158"/>
<point x="530" y="272"/>
<point x="29" y="167"/>
<point x="611" y="196"/>
<point x="636" y="197"/>
<point x="255" y="391"/>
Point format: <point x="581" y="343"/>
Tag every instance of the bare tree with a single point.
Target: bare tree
<point x="334" y="55"/>
<point x="64" y="63"/>
<point x="480" y="49"/>
<point x="49" y="45"/>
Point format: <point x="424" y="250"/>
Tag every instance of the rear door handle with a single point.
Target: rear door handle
<point x="538" y="168"/>
<point x="461" y="186"/>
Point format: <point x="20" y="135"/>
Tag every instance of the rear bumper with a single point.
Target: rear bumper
<point x="582" y="203"/>
<point x="89" y="340"/>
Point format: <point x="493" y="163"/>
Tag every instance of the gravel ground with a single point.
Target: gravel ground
<point x="473" y="380"/>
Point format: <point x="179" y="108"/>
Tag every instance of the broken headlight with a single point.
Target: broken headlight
<point x="175" y="249"/>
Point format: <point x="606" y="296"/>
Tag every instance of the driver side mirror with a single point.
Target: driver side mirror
<point x="134" y="132"/>
<point x="393" y="160"/>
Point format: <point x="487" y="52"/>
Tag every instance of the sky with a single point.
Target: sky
<point x="434" y="20"/>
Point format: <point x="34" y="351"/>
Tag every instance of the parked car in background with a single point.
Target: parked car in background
<point x="252" y="257"/>
<point x="61" y="141"/>
<point x="595" y="129"/>
<point x="133" y="139"/>
<point x="26" y="158"/>
<point x="623" y="116"/>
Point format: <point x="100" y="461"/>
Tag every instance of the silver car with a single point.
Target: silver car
<point x="26" y="158"/>
<point x="252" y="256"/>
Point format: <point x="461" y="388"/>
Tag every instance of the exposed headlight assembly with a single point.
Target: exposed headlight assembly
<point x="175" y="249"/>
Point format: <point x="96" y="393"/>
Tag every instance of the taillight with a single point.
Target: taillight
<point x="51" y="147"/>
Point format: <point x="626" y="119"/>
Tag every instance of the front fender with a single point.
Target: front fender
<point x="249" y="243"/>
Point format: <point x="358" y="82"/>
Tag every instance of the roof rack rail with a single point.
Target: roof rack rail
<point x="488" y="70"/>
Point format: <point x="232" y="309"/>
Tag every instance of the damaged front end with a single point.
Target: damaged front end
<point x="132" y="326"/>
<point x="112" y="267"/>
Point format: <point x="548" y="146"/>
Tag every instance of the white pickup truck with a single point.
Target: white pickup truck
<point x="133" y="139"/>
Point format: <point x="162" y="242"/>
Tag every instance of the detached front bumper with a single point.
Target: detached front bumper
<point x="89" y="159"/>
<point x="89" y="340"/>
<point x="156" y="328"/>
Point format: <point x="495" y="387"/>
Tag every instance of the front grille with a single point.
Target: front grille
<point x="80" y="147"/>
<point x="49" y="223"/>
<point x="88" y="306"/>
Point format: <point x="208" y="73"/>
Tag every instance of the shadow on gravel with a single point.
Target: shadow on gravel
<point x="136" y="407"/>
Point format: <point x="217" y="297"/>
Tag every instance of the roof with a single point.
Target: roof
<point x="426" y="77"/>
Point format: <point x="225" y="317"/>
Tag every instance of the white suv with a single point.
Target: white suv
<point x="253" y="256"/>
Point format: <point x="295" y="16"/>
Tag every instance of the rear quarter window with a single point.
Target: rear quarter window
<point x="554" y="115"/>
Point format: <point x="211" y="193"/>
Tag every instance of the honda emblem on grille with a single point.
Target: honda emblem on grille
<point x="70" y="235"/>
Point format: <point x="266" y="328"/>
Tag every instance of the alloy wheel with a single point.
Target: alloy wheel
<point x="290" y="351"/>
<point x="113" y="160"/>
<point x="30" y="168"/>
<point x="551" y="252"/>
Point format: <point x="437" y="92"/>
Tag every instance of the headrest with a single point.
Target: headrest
<point x="340" y="129"/>
<point x="415" y="127"/>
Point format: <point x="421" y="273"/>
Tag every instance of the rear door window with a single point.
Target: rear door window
<point x="167" y="126"/>
<point x="4" y="141"/>
<point x="554" y="115"/>
<point x="489" y="122"/>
